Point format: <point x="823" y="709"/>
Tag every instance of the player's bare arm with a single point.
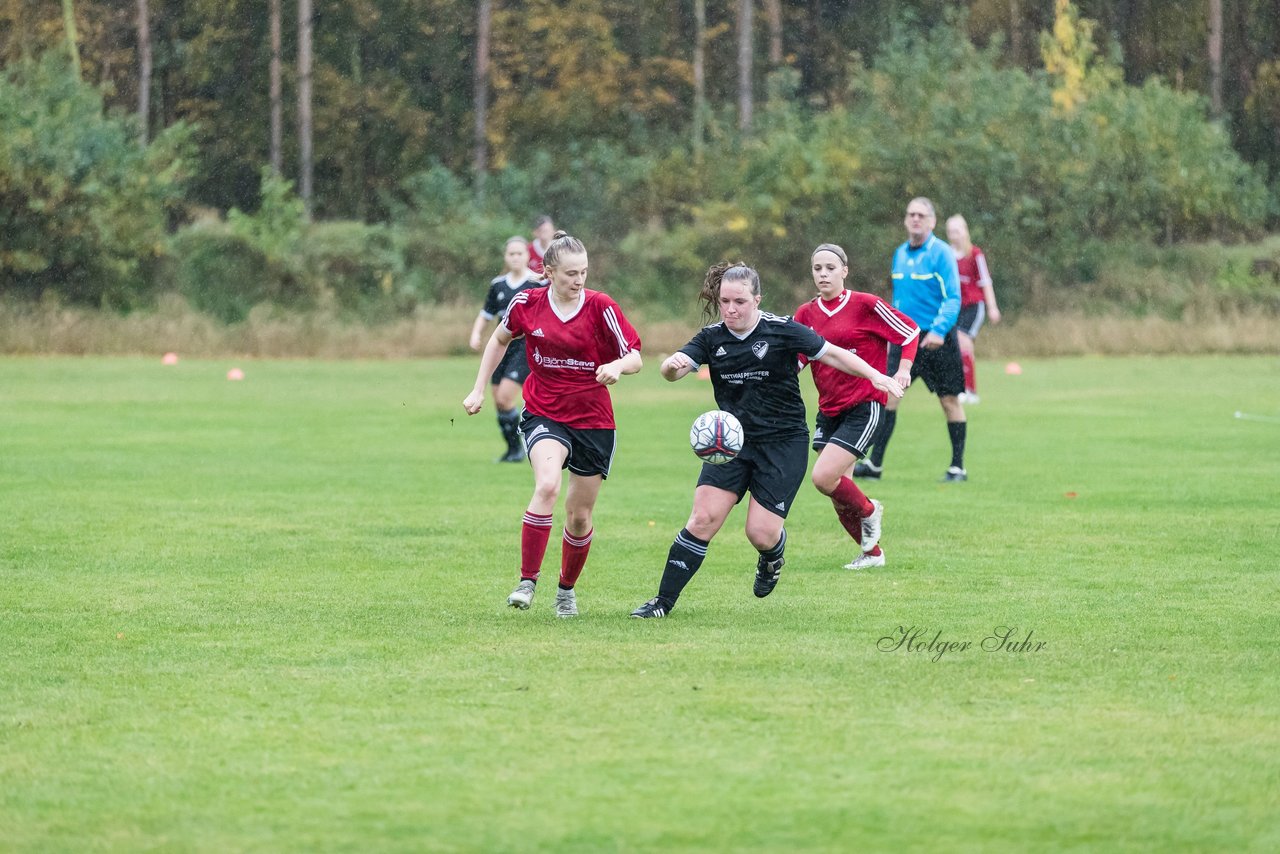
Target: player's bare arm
<point x="477" y="332"/>
<point x="676" y="366"/>
<point x="842" y="360"/>
<point x="493" y="353"/>
<point x="608" y="373"/>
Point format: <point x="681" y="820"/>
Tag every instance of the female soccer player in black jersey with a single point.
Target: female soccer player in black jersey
<point x="752" y="356"/>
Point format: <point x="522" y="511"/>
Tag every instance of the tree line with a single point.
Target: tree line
<point x="148" y="141"/>
<point x="379" y="89"/>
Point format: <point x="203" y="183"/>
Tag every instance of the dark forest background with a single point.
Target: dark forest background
<point x="372" y="155"/>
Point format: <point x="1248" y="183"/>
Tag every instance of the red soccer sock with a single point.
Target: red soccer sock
<point x="848" y="494"/>
<point x="533" y="543"/>
<point x="970" y="381"/>
<point x="850" y="519"/>
<point x="573" y="556"/>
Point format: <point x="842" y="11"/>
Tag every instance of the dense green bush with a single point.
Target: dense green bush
<point x="450" y="241"/>
<point x="83" y="208"/>
<point x="935" y="116"/>
<point x="221" y="272"/>
<point x="275" y="256"/>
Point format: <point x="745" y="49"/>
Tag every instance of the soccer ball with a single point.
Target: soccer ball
<point x="716" y="436"/>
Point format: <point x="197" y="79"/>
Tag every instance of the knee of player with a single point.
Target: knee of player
<point x="547" y="489"/>
<point x="577" y="520"/>
<point x="702" y="523"/>
<point x="825" y="481"/>
<point x="763" y="537"/>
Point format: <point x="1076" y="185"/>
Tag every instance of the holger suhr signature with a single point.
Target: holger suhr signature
<point x="932" y="644"/>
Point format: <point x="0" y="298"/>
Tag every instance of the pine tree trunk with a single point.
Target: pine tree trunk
<point x="699" y="75"/>
<point x="774" y="9"/>
<point x="480" y="158"/>
<point x="304" y="104"/>
<point x="277" y="113"/>
<point x="1215" y="57"/>
<point x="73" y="38"/>
<point x="746" y="100"/>
<point x="144" y="70"/>
<point x="1015" y="32"/>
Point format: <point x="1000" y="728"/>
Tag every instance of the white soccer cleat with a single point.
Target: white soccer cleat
<point x="522" y="596"/>
<point x="871" y="526"/>
<point x="566" y="603"/>
<point x="866" y="561"/>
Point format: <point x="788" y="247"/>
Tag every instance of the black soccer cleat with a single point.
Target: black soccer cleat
<point x="651" y="610"/>
<point x="865" y="469"/>
<point x="955" y="474"/>
<point x="515" y="455"/>
<point x="767" y="574"/>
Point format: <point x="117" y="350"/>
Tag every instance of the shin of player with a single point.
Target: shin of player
<point x="578" y="343"/>
<point x="850" y="408"/>
<point x="752" y="356"/>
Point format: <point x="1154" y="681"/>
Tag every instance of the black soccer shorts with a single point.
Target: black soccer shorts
<point x="941" y="369"/>
<point x="772" y="472"/>
<point x="972" y="316"/>
<point x="590" y="451"/>
<point x="854" y="429"/>
<point x="514" y="365"/>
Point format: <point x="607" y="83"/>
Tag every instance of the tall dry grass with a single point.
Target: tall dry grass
<point x="444" y="330"/>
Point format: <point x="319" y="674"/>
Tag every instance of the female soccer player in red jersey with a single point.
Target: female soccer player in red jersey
<point x="578" y="343"/>
<point x="849" y="407"/>
<point x="977" y="298"/>
<point x="752" y="358"/>
<point x="513" y="370"/>
<point x="543" y="233"/>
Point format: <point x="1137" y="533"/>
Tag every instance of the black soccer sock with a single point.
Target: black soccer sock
<point x="882" y="437"/>
<point x="509" y="423"/>
<point x="956" y="429"/>
<point x="683" y="560"/>
<point x="778" y="549"/>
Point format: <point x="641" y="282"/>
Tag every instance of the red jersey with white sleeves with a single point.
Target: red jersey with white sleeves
<point x="866" y="325"/>
<point x="973" y="275"/>
<point x="564" y="351"/>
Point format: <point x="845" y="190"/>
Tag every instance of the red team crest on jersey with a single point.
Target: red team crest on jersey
<point x="564" y="352"/>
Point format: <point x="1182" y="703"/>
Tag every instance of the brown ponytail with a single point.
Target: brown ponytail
<point x="733" y="271"/>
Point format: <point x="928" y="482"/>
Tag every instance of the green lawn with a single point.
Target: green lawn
<point x="270" y="615"/>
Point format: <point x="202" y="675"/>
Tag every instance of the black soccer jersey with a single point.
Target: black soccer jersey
<point x="500" y="293"/>
<point x="755" y="377"/>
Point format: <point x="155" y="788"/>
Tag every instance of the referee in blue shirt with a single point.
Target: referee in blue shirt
<point x="926" y="288"/>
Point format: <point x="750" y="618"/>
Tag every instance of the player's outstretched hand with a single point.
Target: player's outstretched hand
<point x="473" y="402"/>
<point x="994" y="315"/>
<point x="608" y="373"/>
<point x="932" y="341"/>
<point x="903" y="378"/>
<point x="888" y="385"/>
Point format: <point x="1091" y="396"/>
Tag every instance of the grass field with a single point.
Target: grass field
<point x="270" y="615"/>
